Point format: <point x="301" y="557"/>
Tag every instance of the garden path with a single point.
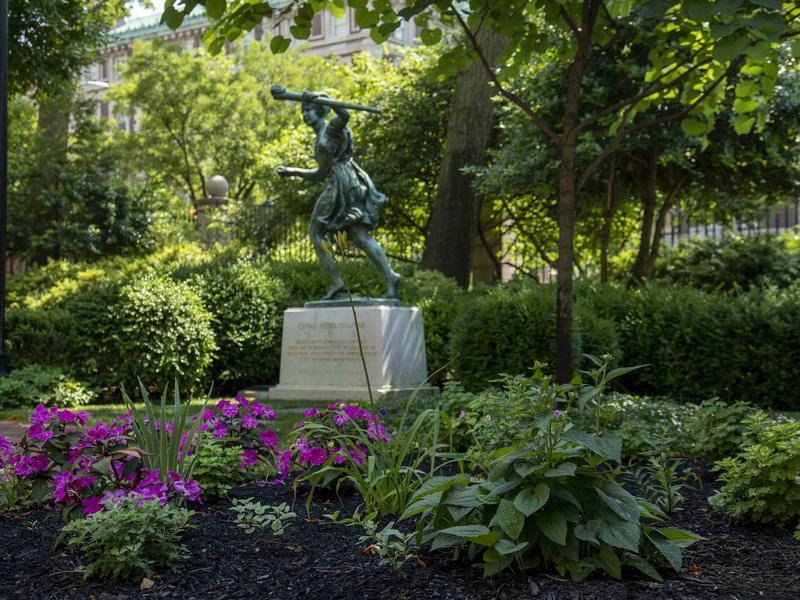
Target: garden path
<point x="12" y="430"/>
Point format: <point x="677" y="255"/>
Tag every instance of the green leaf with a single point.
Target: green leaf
<point x="553" y="524"/>
<point x="680" y="537"/>
<point x="693" y="127"/>
<point x="741" y="105"/>
<point x="609" y="562"/>
<point x="279" y="44"/>
<point x="669" y="550"/>
<point x="431" y="37"/>
<point x="40" y="490"/>
<point x="566" y="469"/>
<point x="588" y="531"/>
<point x="743" y="124"/>
<point x="366" y="19"/>
<point x="300" y="32"/>
<point x="172" y="18"/>
<point x="608" y="446"/>
<point x="620" y="501"/>
<point x="505" y="547"/>
<point x="529" y="500"/>
<point x="510" y="519"/>
<point x="759" y="50"/>
<point x="618" y="533"/>
<point x="487" y="539"/>
<point x="640" y="564"/>
<point x="795" y="49"/>
<point x="773" y="4"/>
<point x="698" y="10"/>
<point x="215" y="8"/>
<point x="746" y="88"/>
<point x="376" y="36"/>
<point x="730" y="47"/>
<point x="444" y="540"/>
<point x="466" y="531"/>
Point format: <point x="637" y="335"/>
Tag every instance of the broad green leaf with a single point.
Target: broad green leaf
<point x="172" y="18"/>
<point x="637" y="562"/>
<point x="693" y="127"/>
<point x="618" y="533"/>
<point x="529" y="500"/>
<point x="566" y="469"/>
<point x="621" y="502"/>
<point x="431" y="37"/>
<point x="553" y="524"/>
<point x="608" y="446"/>
<point x="743" y="124"/>
<point x="698" y="10"/>
<point x="300" y="32"/>
<point x="609" y="562"/>
<point x="444" y="540"/>
<point x="215" y="8"/>
<point x="759" y="50"/>
<point x="746" y="88"/>
<point x="795" y="49"/>
<point x="730" y="47"/>
<point x="773" y="4"/>
<point x="279" y="44"/>
<point x="40" y="490"/>
<point x="741" y="105"/>
<point x="366" y="18"/>
<point x="466" y="531"/>
<point x="669" y="550"/>
<point x="588" y="531"/>
<point x="504" y="547"/>
<point x="510" y="519"/>
<point x="487" y="539"/>
<point x="680" y="537"/>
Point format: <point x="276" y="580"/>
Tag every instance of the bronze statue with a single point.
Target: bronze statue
<point x="350" y="202"/>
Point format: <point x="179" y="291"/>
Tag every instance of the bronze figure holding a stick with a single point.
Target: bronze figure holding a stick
<point x="350" y="202"/>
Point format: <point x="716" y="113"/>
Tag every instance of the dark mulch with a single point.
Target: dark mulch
<point x="315" y="559"/>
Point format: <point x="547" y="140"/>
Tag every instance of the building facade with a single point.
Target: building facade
<point x="330" y="36"/>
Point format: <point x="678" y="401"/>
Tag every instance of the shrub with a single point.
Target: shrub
<point x="252" y="515"/>
<point x="164" y="333"/>
<point x="761" y="482"/>
<point x="504" y="329"/>
<point x="129" y="541"/>
<point x="702" y="345"/>
<point x="43" y="337"/>
<point x="247" y="305"/>
<point x="48" y="385"/>
<point x="552" y="499"/>
<point x="732" y="263"/>
<point x="718" y="429"/>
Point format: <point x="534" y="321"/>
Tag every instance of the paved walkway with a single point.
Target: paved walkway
<point x="12" y="430"/>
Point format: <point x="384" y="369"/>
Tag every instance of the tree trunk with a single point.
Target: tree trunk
<point x="608" y="218"/>
<point x="649" y="197"/>
<point x="658" y="229"/>
<point x="452" y="227"/>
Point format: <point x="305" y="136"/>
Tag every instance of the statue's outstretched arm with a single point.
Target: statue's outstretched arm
<point x="317" y="174"/>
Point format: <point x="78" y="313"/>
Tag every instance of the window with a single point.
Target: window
<point x="316" y="27"/>
<point x="117" y="64"/>
<point x="104" y="71"/>
<point x="341" y="27"/>
<point x="354" y="28"/>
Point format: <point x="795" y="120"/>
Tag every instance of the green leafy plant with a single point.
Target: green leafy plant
<point x="217" y="468"/>
<point x="662" y="478"/>
<point x="165" y="447"/>
<point x="252" y="515"/>
<point x="719" y="429"/>
<point x="129" y="540"/>
<point x="394" y="547"/>
<point x="53" y="386"/>
<point x="761" y="482"/>
<point x="553" y="500"/>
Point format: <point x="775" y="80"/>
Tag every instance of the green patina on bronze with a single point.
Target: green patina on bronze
<point x="350" y="202"/>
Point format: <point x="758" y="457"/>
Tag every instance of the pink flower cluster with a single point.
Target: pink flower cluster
<point x="244" y="422"/>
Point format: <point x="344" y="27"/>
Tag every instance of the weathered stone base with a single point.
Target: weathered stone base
<point x="320" y="358"/>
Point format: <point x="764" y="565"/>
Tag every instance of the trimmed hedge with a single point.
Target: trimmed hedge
<point x="44" y="337"/>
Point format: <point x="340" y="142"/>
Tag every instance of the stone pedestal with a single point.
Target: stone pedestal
<point x="320" y="358"/>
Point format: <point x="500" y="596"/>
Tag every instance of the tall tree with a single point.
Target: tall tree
<point x="453" y="225"/>
<point x="696" y="45"/>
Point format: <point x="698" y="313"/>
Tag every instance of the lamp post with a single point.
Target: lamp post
<point x="3" y="176"/>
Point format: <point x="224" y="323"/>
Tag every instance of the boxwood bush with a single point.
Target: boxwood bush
<point x="163" y="333"/>
<point x="247" y="307"/>
<point x="44" y="337"/>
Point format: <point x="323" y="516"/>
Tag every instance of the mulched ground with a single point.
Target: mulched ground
<point x="316" y="559"/>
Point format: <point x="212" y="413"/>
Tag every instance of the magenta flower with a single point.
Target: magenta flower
<point x="190" y="489"/>
<point x="269" y="413"/>
<point x="220" y="430"/>
<point x="230" y="410"/>
<point x="208" y="414"/>
<point x="91" y="505"/>
<point x="284" y="464"/>
<point x="41" y="414"/>
<point x="5" y="446"/>
<point x="310" y="413"/>
<point x="317" y="456"/>
<point x="248" y="457"/>
<point x="37" y="432"/>
<point x="100" y="432"/>
<point x="257" y="408"/>
<point x="83" y="416"/>
<point x="242" y="401"/>
<point x="269" y="438"/>
<point x="67" y="416"/>
<point x="25" y="466"/>
<point x="249" y="422"/>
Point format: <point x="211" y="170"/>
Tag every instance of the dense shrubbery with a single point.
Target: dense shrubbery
<point x="732" y="263"/>
<point x="49" y="385"/>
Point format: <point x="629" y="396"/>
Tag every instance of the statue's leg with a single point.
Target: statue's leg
<point x="336" y="285"/>
<point x="375" y="253"/>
